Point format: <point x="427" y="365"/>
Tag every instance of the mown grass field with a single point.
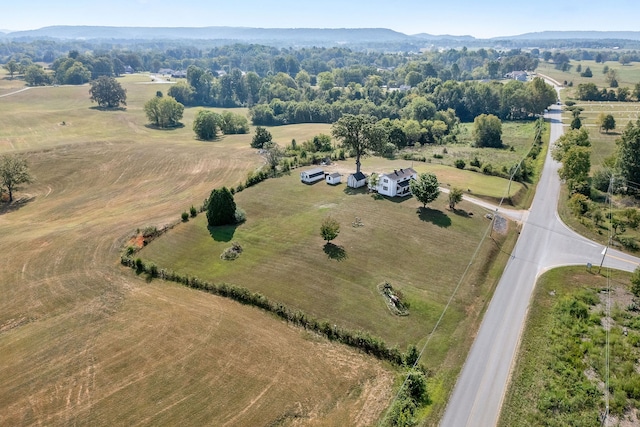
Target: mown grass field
<point x="627" y="74"/>
<point x="84" y="341"/>
<point x="559" y="378"/>
<point x="422" y="253"/>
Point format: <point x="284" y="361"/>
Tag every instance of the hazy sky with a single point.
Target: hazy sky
<point x="478" y="18"/>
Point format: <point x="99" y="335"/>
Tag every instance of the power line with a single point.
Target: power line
<point x="455" y="290"/>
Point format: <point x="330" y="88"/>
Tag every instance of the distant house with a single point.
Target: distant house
<point x="333" y="178"/>
<point x="128" y="69"/>
<point x="520" y="76"/>
<point x="396" y="183"/>
<point x="165" y="71"/>
<point x="179" y="74"/>
<point x="312" y="175"/>
<point x="357" y="180"/>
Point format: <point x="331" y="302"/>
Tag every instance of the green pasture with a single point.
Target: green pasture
<point x="628" y="75"/>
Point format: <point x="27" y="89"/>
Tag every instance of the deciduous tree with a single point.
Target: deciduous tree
<point x="206" y="124"/>
<point x="329" y="229"/>
<point x="360" y="134"/>
<point x="107" y="92"/>
<point x="425" y="188"/>
<point x="487" y="131"/>
<point x="455" y="197"/>
<point x="606" y="122"/>
<point x="164" y="112"/>
<point x="13" y="172"/>
<point x="628" y="161"/>
<point x="11" y="67"/>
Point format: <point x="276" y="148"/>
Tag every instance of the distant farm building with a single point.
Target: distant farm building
<point x="311" y="175"/>
<point x="357" y="180"/>
<point x="520" y="76"/>
<point x="333" y="178"/>
<point x="396" y="183"/>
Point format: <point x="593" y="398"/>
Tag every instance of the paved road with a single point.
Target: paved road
<point x="545" y="242"/>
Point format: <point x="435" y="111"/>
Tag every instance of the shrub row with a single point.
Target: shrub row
<point x="357" y="339"/>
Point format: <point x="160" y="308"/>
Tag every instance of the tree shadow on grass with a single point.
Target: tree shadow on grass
<point x="168" y="128"/>
<point x="6" y="207"/>
<point x="97" y="107"/>
<point x="434" y="216"/>
<point x="352" y="191"/>
<point x="462" y="213"/>
<point x="335" y="252"/>
<point x="222" y="233"/>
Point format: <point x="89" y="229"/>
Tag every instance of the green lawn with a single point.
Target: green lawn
<point x="420" y="252"/>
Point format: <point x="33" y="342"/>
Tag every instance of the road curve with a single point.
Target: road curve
<point x="545" y="242"/>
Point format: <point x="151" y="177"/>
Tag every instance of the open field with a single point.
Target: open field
<point x="284" y="259"/>
<point x="628" y="75"/>
<point x="84" y="341"/>
<point x="559" y="377"/>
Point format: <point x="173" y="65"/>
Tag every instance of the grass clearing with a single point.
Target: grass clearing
<point x="628" y="75"/>
<point x="284" y="258"/>
<point x="84" y="341"/>
<point x="563" y="345"/>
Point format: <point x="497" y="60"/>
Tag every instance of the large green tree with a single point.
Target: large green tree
<point x="541" y="95"/>
<point x="606" y="122"/>
<point x="576" y="163"/>
<point x="261" y="138"/>
<point x="35" y="75"/>
<point x="164" y="112"/>
<point x="487" y="131"/>
<point x="107" y="92"/>
<point x="360" y="134"/>
<point x="425" y="188"/>
<point x="11" y="67"/>
<point x="579" y="137"/>
<point x="221" y="208"/>
<point x="13" y="172"/>
<point x="206" y="124"/>
<point x="628" y="155"/>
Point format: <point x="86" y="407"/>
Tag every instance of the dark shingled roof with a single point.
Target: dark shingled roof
<point x="359" y="176"/>
<point x="399" y="174"/>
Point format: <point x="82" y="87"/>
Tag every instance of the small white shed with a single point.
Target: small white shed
<point x="357" y="180"/>
<point x="311" y="175"/>
<point x="333" y="178"/>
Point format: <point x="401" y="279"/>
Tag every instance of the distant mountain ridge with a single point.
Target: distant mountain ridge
<point x="224" y="33"/>
<point x="577" y="35"/>
<point x="295" y="36"/>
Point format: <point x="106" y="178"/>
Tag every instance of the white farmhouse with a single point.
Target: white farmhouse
<point x="396" y="183"/>
<point x="311" y="175"/>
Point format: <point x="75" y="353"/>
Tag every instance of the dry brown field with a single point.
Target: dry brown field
<point x="84" y="341"/>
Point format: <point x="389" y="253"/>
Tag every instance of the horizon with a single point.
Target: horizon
<point x="501" y="18"/>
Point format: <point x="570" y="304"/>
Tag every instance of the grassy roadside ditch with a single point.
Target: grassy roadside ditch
<point x="559" y="378"/>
